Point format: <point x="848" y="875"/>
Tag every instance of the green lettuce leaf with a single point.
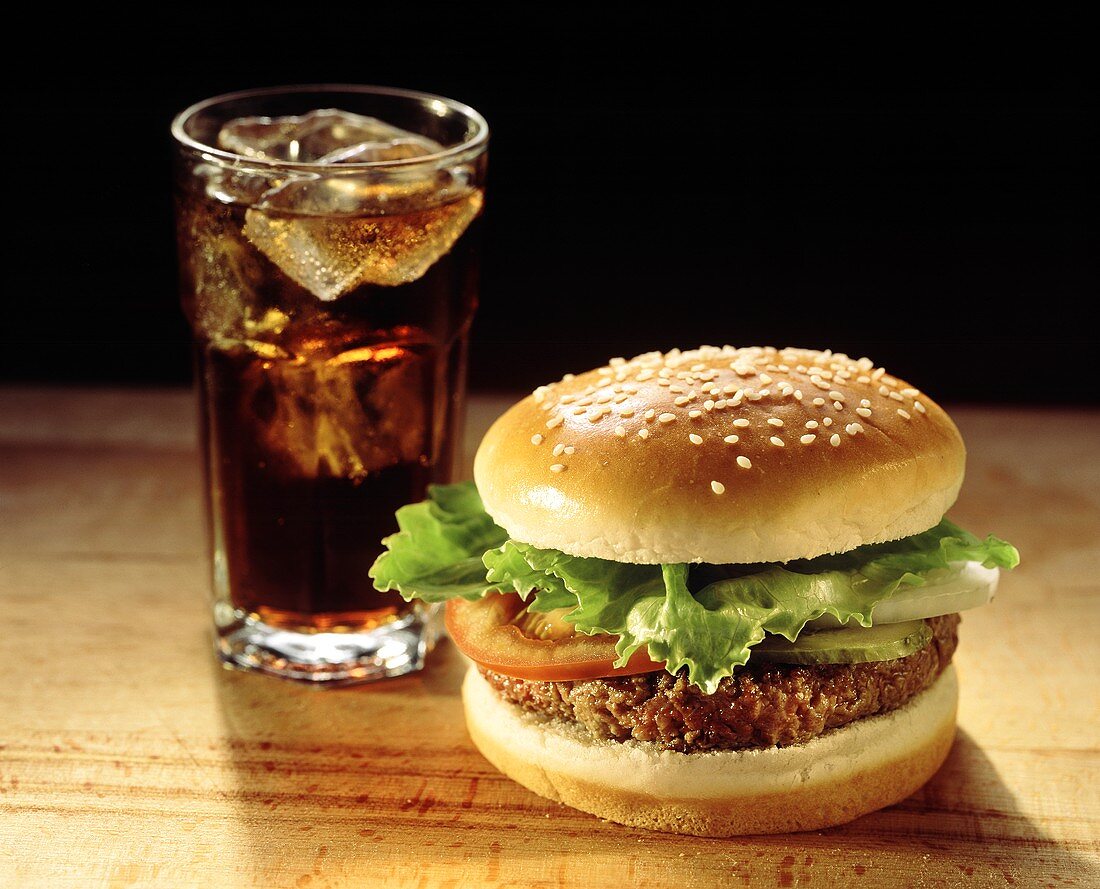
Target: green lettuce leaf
<point x="935" y="548"/>
<point x="437" y="554"/>
<point x="712" y="630"/>
<point x="509" y="567"/>
<point x="448" y="547"/>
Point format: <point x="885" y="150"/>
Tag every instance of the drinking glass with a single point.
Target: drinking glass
<point x="328" y="253"/>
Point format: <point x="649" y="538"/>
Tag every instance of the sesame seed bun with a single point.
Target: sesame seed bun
<point x="830" y="780"/>
<point x="721" y="455"/>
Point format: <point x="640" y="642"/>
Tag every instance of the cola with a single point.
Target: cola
<point x="331" y="313"/>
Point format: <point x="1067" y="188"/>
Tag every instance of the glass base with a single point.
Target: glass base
<point x="347" y="657"/>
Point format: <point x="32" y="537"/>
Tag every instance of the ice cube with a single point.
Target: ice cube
<point x="332" y="255"/>
<point x="226" y="274"/>
<point x="348" y="415"/>
<point x="337" y="233"/>
<point x="326" y="136"/>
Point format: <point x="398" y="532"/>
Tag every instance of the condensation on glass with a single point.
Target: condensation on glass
<point x="328" y="268"/>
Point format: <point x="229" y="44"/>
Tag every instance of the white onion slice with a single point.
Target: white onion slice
<point x="965" y="586"/>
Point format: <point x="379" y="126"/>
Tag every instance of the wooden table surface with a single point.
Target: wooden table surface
<point x="129" y="758"/>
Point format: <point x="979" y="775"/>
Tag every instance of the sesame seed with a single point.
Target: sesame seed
<point x="835" y="395"/>
<point x="774" y="421"/>
<point x="666" y="418"/>
<point x="718" y="487"/>
<point x="798" y="394"/>
<point x="910" y="391"/>
<point x="554" y="421"/>
<point x="732" y="439"/>
<point x="720" y="404"/>
<point x="568" y="378"/>
<point x="643" y="433"/>
<point x="729" y="388"/>
<point x="695" y="414"/>
<point x="708" y="405"/>
<point x="536" y="439"/>
<point x="740" y="422"/>
<point x="558" y="467"/>
<point x="811" y="424"/>
<point x="577" y="411"/>
<point x="744" y="462"/>
<point x="570" y="450"/>
<point x="626" y="412"/>
<point x="650" y="414"/>
<point x="681" y="400"/>
<point x="558" y="448"/>
<point x="865" y="402"/>
<point x="838" y="406"/>
<point x="819" y="402"/>
<point x="835" y="440"/>
<point x="620" y="431"/>
<point x="808" y="438"/>
<point x="904" y="414"/>
<point x="776" y="440"/>
<point x="883" y="390"/>
<point x="765" y="379"/>
<point x="863" y="411"/>
<point x="853" y="428"/>
<point x="878" y="373"/>
<point x="695" y="439"/>
<point x="828" y="421"/>
<point x="917" y="406"/>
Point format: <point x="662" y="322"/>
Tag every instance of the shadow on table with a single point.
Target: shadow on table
<point x="315" y="771"/>
<point x="382" y="781"/>
<point x="966" y="826"/>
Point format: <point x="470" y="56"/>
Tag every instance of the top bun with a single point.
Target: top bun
<point x="721" y="455"/>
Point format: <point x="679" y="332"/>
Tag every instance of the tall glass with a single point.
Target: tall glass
<point x="328" y="269"/>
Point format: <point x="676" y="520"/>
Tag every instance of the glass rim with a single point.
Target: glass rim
<point x="474" y="144"/>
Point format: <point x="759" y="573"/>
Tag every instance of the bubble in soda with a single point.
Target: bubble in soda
<point x="333" y="235"/>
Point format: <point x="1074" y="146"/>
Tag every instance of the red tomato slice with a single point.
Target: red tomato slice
<point x="484" y="632"/>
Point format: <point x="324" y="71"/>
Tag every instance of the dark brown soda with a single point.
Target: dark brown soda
<point x="321" y="423"/>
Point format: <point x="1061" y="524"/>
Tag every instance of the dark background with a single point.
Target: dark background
<point x="915" y="193"/>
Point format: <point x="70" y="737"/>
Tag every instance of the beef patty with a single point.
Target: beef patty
<point x="762" y="705"/>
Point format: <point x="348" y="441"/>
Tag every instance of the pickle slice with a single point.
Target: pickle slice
<point x="848" y="645"/>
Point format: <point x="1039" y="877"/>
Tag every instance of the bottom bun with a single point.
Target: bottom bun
<point x="830" y="780"/>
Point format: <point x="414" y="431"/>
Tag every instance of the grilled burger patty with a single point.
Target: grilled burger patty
<point x="762" y="705"/>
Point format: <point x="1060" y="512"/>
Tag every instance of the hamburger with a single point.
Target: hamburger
<point x="709" y="591"/>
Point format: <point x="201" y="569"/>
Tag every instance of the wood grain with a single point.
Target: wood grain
<point x="128" y="758"/>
